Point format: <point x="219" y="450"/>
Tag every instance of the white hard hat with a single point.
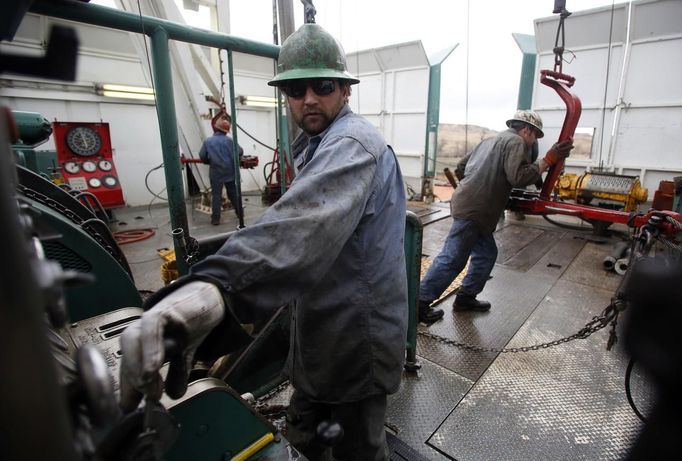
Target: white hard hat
<point x="530" y="117"/>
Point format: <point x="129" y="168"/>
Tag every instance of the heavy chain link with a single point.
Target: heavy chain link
<point x="73" y="217"/>
<point x="272" y="411"/>
<point x="609" y="315"/>
<point x="192" y="255"/>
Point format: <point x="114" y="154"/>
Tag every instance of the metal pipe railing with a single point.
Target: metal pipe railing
<point x="235" y="142"/>
<point x="131" y="22"/>
<point x="160" y="32"/>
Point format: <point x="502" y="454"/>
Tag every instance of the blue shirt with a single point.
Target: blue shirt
<point x="217" y="151"/>
<point x="332" y="244"/>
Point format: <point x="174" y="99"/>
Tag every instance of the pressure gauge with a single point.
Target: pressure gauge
<point x="83" y="140"/>
<point x="109" y="181"/>
<point x="72" y="167"/>
<point x="89" y="166"/>
<point x="105" y="165"/>
<point x="94" y="182"/>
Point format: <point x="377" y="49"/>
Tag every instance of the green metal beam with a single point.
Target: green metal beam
<point x="283" y="145"/>
<point x="527" y="45"/>
<point x="414" y="233"/>
<point x="433" y="112"/>
<point x="131" y="22"/>
<point x="235" y="142"/>
<point x="165" y="103"/>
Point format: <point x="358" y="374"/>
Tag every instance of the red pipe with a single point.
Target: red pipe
<point x="561" y="84"/>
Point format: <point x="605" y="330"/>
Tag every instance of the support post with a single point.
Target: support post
<point x="165" y="103"/>
<point x="235" y="143"/>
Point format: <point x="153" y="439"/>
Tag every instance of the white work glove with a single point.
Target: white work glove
<point x="186" y="316"/>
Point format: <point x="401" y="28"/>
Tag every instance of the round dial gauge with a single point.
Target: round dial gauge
<point x="105" y="165"/>
<point x="94" y="182"/>
<point x="89" y="166"/>
<point x="109" y="181"/>
<point x="83" y="140"/>
<point x="72" y="167"/>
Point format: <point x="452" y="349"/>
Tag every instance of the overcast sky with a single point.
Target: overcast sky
<point x="494" y="58"/>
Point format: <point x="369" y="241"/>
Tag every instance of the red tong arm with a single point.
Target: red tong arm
<point x="561" y="84"/>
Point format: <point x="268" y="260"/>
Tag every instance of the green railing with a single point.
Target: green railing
<point x="413" y="252"/>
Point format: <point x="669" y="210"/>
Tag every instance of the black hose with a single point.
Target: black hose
<point x="628" y="393"/>
<point x="146" y="183"/>
<point x="581" y="228"/>
<point x="565" y="226"/>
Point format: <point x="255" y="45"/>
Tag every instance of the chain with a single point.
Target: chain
<point x="272" y="411"/>
<point x="222" y="80"/>
<point x="73" y="217"/>
<point x="609" y="315"/>
<point x="674" y="222"/>
<point x="192" y="255"/>
<point x="559" y="42"/>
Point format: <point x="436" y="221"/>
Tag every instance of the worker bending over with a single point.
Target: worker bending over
<point x="487" y="175"/>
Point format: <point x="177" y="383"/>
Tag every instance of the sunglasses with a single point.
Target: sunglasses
<point x="297" y="88"/>
<point x="534" y="131"/>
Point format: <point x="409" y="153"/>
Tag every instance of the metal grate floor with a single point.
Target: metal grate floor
<point x="562" y="403"/>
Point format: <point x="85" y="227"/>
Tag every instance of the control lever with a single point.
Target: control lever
<point x="329" y="433"/>
<point x="147" y="433"/>
<point x="152" y="443"/>
<point x="98" y="386"/>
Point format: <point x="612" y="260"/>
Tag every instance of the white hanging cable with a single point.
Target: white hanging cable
<point x="606" y="86"/>
<point x="621" y="88"/>
<point x="466" y="91"/>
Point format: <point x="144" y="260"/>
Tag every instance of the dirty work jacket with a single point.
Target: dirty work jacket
<point x="491" y="170"/>
<point x="333" y="244"/>
<point x="217" y="151"/>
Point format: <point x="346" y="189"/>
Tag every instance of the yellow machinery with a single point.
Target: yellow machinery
<point x="623" y="192"/>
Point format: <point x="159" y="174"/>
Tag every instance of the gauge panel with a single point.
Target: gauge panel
<point x="83" y="140"/>
<point x="85" y="155"/>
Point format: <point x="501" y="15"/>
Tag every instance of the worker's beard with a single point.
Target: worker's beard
<point x="315" y="122"/>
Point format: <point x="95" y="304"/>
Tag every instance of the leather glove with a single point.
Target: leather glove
<point x="187" y="315"/>
<point x="558" y="152"/>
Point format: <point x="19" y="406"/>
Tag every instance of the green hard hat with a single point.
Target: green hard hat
<point x="311" y="52"/>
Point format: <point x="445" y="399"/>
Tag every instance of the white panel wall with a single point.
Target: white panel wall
<point x="637" y="111"/>
<point x="137" y="150"/>
<point x="393" y="95"/>
<point x="368" y="94"/>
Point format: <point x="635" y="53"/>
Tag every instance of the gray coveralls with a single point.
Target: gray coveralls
<point x="332" y="245"/>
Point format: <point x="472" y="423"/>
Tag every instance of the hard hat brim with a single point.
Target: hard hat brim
<point x="509" y="122"/>
<point x="302" y="74"/>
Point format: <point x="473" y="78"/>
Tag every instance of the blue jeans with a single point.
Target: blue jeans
<point x="463" y="240"/>
<point x="217" y="197"/>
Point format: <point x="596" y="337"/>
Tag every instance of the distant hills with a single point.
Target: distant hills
<point x="451" y="142"/>
<point x="452" y="138"/>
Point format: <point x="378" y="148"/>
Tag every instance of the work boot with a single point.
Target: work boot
<point x="469" y="303"/>
<point x="428" y="314"/>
